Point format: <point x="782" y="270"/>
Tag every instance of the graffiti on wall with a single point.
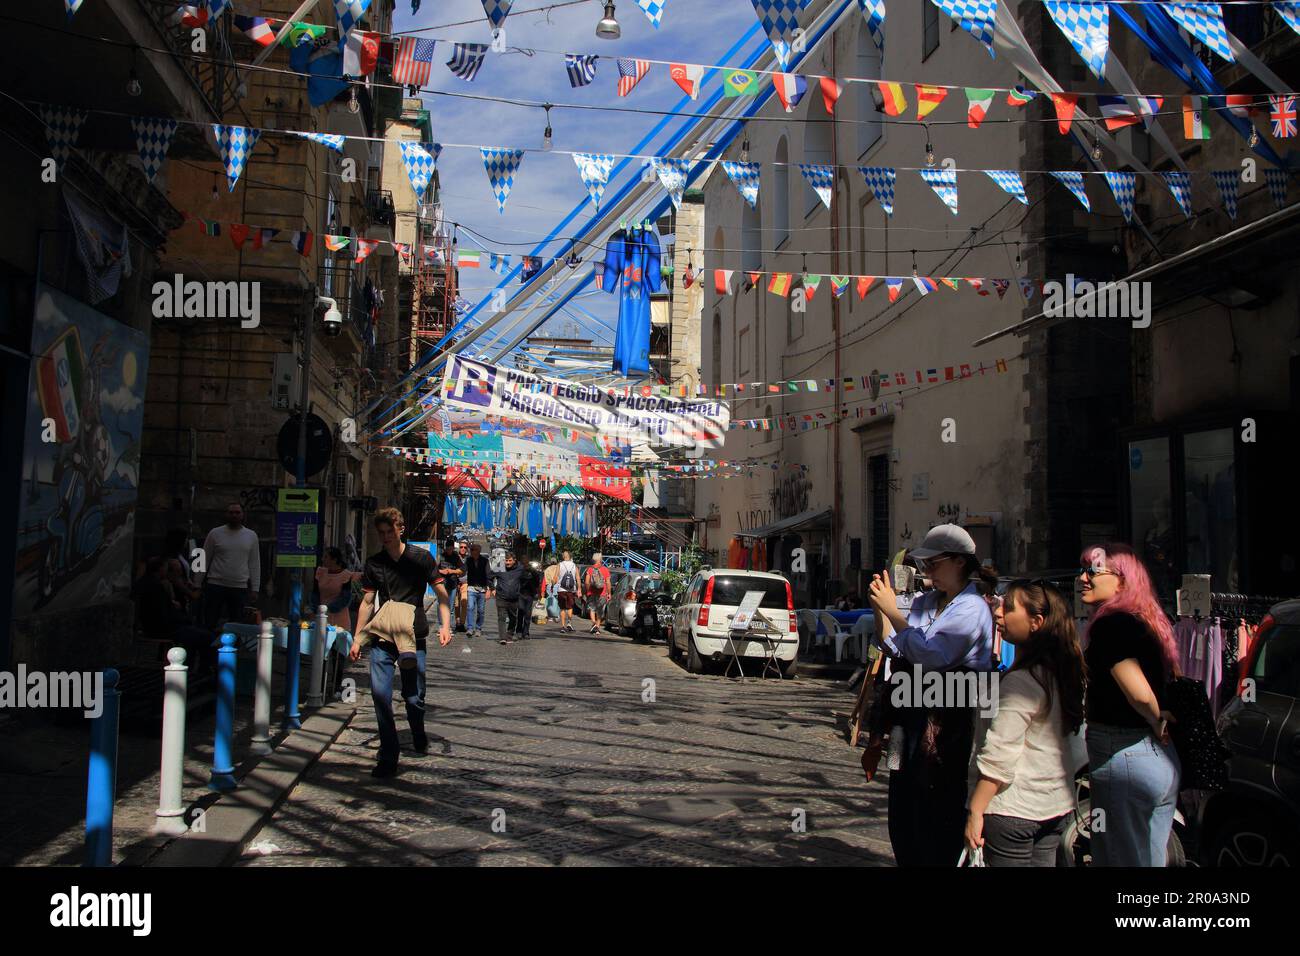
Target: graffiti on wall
<point x="792" y="494"/>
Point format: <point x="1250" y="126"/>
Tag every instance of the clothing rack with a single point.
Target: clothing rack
<point x="1229" y="604"/>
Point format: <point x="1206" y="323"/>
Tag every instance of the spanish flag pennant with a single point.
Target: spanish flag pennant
<point x="928" y="98"/>
<point x="894" y="100"/>
<point x="780" y="283"/>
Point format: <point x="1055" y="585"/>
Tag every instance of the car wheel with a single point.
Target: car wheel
<point x="694" y="663"/>
<point x="789" y="668"/>
<point x="1252" y="841"/>
<point x="673" y="653"/>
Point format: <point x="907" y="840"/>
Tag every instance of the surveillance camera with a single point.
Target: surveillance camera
<point x="333" y="317"/>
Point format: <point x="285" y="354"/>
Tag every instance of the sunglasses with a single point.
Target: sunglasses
<point x="1096" y="572"/>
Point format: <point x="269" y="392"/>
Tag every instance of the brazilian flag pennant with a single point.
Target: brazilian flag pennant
<point x="740" y="83"/>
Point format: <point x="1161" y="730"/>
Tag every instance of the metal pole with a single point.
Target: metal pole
<point x="293" y="662"/>
<point x="223" y="764"/>
<point x="170" y="815"/>
<point x="318" y="657"/>
<point x="101" y="778"/>
<point x="261" y="743"/>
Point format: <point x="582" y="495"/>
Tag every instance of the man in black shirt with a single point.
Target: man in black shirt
<point x="476" y="581"/>
<point x="399" y="572"/>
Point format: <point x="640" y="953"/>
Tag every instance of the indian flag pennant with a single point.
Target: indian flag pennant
<point x="335" y="243"/>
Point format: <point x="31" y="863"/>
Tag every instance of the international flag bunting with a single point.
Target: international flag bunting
<point x="1010" y="182"/>
<point x="1282" y="114"/>
<point x="821" y="179"/>
<point x="238" y="234"/>
<point x="978" y="285"/>
<point x="153" y="137"/>
<point x="258" y="29"/>
<point x="780" y="283"/>
<point x="1241" y="105"/>
<point x="334" y="141"/>
<point x="336" y="243"/>
<point x="302" y="242"/>
<point x="689" y="76"/>
<point x="1027" y="289"/>
<point x="234" y="144"/>
<point x="831" y="90"/>
<point x="581" y="68"/>
<point x="1001" y="286"/>
<point x="419" y="165"/>
<point x="839" y="285"/>
<point x="364" y="248"/>
<point x="1276" y="180"/>
<point x="1116" y="112"/>
<point x="299" y="33"/>
<point x="1289" y="10"/>
<point x="925" y="285"/>
<point x="722" y="281"/>
<point x="500" y="264"/>
<point x="501" y="166"/>
<point x="468" y="259"/>
<point x="1021" y="96"/>
<point x="790" y="88"/>
<point x="413" y="61"/>
<point x="62" y="127"/>
<point x="191" y="15"/>
<point x="751" y="280"/>
<point x="654" y="10"/>
<point x="630" y="73"/>
<point x="976" y="17"/>
<point x="361" y="53"/>
<point x="952" y="283"/>
<point x="1073" y="181"/>
<point x="403" y="250"/>
<point x="1203" y="21"/>
<point x="894" y="287"/>
<point x="262" y="237"/>
<point x="1087" y="27"/>
<point x="895" y="102"/>
<point x="944" y="184"/>
<point x="745" y="177"/>
<point x="809" y="285"/>
<point x="928" y="99"/>
<point x="1065" y="104"/>
<point x="779" y="19"/>
<point x="210" y="227"/>
<point x="977" y="106"/>
<point x="1195" y="109"/>
<point x="740" y="83"/>
<point x="1124" y="186"/>
<point x="467" y="59"/>
<point x="673" y="174"/>
<point x="874" y="11"/>
<point x="880" y="180"/>
<point x="594" y="170"/>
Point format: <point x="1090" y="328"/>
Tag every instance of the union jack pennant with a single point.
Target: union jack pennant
<point x="1282" y="113"/>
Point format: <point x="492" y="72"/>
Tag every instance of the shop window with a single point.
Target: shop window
<point x="1210" y="507"/>
<point x="1151" y="514"/>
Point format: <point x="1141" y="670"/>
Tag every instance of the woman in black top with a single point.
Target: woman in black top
<point x="1133" y="767"/>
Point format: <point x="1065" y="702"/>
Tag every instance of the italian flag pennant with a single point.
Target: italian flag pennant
<point x="977" y="106"/>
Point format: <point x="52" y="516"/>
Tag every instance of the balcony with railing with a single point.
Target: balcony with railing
<point x="382" y="214"/>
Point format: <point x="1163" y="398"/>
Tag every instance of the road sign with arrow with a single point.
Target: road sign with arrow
<point x="297" y="527"/>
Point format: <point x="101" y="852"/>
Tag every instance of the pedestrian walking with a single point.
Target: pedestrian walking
<point x="1022" y="777"/>
<point x="1131" y="656"/>
<point x="567" y="590"/>
<point x="476" y="584"/>
<point x="949" y="628"/>
<point x="504" y="588"/>
<point x="334" y="588"/>
<point x="462" y="587"/>
<point x="234" y="569"/>
<point x="596" y="585"/>
<point x="530" y="586"/>
<point x="398" y="576"/>
<point x="550" y="590"/>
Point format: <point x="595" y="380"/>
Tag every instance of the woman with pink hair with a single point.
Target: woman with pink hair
<point x="1131" y="656"/>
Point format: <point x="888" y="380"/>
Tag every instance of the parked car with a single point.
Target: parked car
<point x="1256" y="820"/>
<point x="625" y="588"/>
<point x="701" y="621"/>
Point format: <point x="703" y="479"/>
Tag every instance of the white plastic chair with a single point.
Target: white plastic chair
<point x="864" y="629"/>
<point x="836" y="630"/>
<point x="806" y="621"/>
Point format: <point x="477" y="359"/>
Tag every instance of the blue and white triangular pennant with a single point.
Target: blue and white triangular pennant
<point x="419" y="165"/>
<point x="497" y="11"/>
<point x="779" y="19"/>
<point x="333" y="141"/>
<point x="62" y="127"/>
<point x="234" y="145"/>
<point x="1180" y="184"/>
<point x="1073" y="181"/>
<point x="745" y="177"/>
<point x="1124" y="186"/>
<point x="153" y="137"/>
<point x="1010" y="182"/>
<point x="1276" y="180"/>
<point x="1229" y="189"/>
<point x="976" y="17"/>
<point x="821" y="179"/>
<point x="874" y="11"/>
<point x="880" y="180"/>
<point x="1203" y="21"/>
<point x="654" y="10"/>
<point x="1087" y="27"/>
<point x="501" y="166"/>
<point x="944" y="184"/>
<point x="594" y="169"/>
<point x="672" y="175"/>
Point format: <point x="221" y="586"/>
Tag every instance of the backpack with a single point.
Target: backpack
<point x="595" y="580"/>
<point x="568" y="582"/>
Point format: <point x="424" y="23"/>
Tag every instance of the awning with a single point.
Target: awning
<point x="804" y="521"/>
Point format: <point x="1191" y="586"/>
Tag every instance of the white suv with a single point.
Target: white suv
<point x="702" y="621"/>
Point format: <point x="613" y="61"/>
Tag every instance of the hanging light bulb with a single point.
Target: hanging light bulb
<point x="914" y="272"/>
<point x="1096" y="150"/>
<point x="546" y="137"/>
<point x="608" y="28"/>
<point x="929" y="148"/>
<point x="1254" y="137"/>
<point x="744" y="149"/>
<point x="133" y="87"/>
<point x="215" y="195"/>
<point x="354" y="106"/>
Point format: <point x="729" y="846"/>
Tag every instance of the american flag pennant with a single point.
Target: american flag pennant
<point x="413" y="61"/>
<point x="630" y="73"/>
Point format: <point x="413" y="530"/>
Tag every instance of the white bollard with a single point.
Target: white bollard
<point x="314" y="698"/>
<point x="170" y="815"/>
<point x="261" y="742"/>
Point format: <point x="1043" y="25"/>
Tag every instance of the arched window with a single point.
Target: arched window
<point x="781" y="194"/>
<point x="868" y="64"/>
<point x="816" y="145"/>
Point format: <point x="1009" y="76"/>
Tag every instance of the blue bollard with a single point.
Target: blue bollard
<point x="293" y="658"/>
<point x="223" y="767"/>
<point x="101" y="778"/>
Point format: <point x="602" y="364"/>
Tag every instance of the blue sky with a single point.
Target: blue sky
<point x="547" y="185"/>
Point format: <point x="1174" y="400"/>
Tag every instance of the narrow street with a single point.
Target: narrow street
<point x="554" y="732"/>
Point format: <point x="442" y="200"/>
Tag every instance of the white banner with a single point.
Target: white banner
<point x="616" y="413"/>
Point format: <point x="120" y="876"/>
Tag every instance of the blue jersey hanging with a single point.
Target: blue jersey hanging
<point x="632" y="254"/>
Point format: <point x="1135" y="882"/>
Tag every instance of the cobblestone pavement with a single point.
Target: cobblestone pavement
<point x="551" y="738"/>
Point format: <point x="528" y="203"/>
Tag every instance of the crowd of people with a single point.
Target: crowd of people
<point x="1003" y="787"/>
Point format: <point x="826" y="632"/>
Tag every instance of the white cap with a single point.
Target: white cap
<point x="945" y="539"/>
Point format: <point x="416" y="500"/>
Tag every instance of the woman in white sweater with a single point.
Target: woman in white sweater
<point x="1022" y="775"/>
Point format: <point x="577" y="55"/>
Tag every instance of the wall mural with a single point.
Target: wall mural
<point x="79" y="489"/>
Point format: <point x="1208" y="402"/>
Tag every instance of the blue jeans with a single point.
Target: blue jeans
<point x="383" y="661"/>
<point x="1133" y="779"/>
<point x="476" y="609"/>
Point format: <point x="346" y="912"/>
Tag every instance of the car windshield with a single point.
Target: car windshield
<point x="1277" y="664"/>
<point x="732" y="590"/>
<point x="648" y="585"/>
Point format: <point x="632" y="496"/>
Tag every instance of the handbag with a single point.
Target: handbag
<point x="1201" y="750"/>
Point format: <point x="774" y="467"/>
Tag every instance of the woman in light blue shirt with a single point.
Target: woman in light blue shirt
<point x="948" y="629"/>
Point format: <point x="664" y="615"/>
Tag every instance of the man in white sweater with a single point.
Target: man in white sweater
<point x="234" y="569"/>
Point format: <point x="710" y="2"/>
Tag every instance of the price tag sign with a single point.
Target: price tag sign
<point x="745" y="613"/>
<point x="1194" y="596"/>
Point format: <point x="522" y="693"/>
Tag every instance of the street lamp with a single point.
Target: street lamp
<point x="608" y="28"/>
